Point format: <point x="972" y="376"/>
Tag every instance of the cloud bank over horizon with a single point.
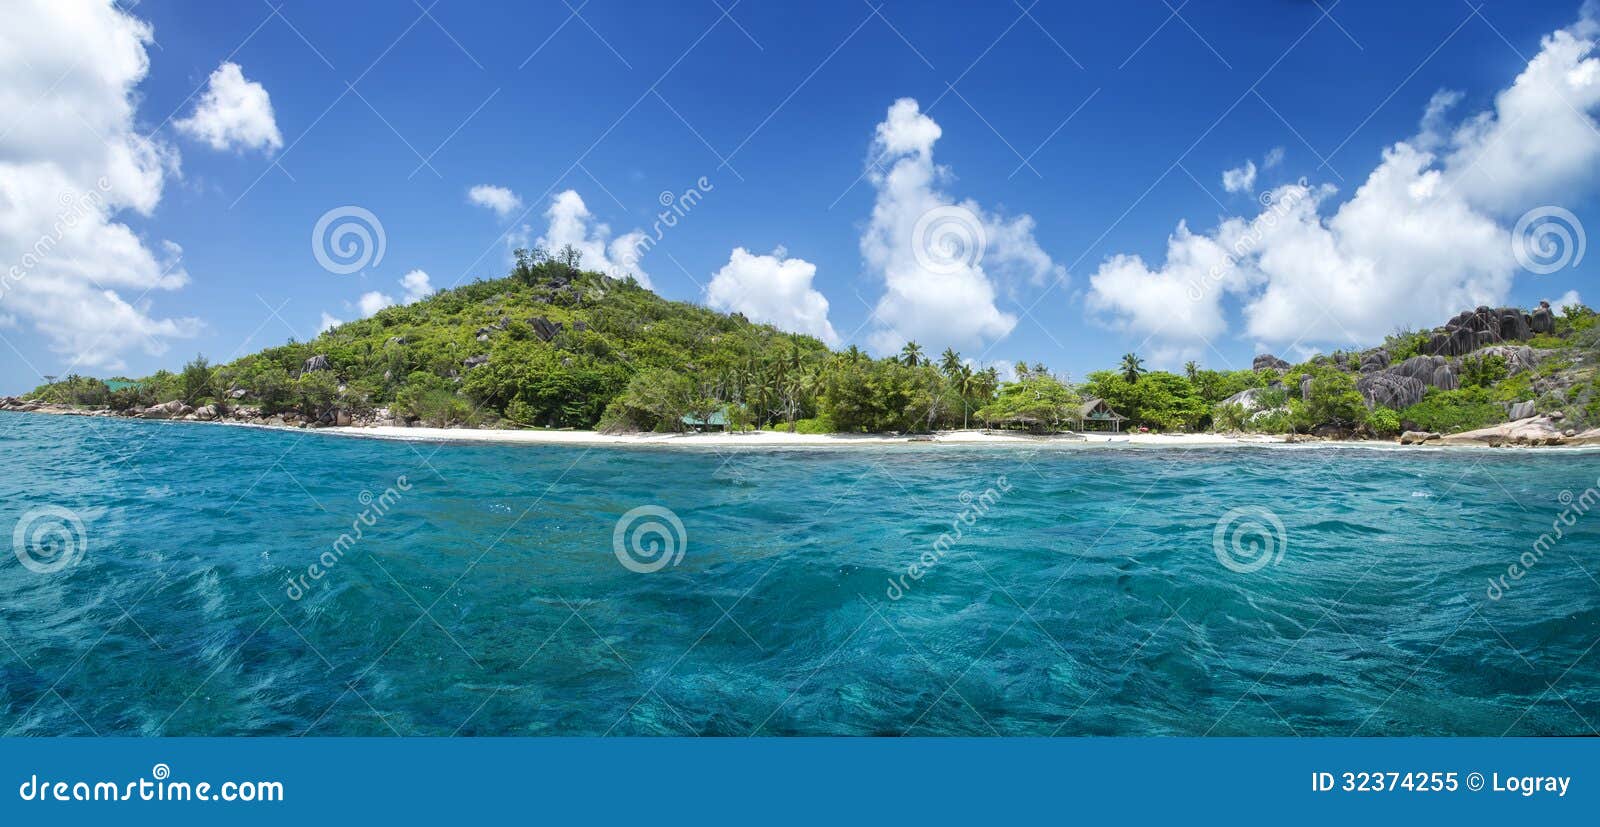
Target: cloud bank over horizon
<point x="1427" y="234"/>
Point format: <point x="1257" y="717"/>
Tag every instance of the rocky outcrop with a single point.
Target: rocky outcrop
<point x="1267" y="360"/>
<point x="1390" y="390"/>
<point x="1305" y="387"/>
<point x="1375" y="360"/>
<point x="1249" y="399"/>
<point x="165" y="410"/>
<point x="1479" y="328"/>
<point x="1518" y="357"/>
<point x="1520" y="410"/>
<point x="1542" y="319"/>
<point x="474" y="361"/>
<point x="1417" y="437"/>
<point x="1433" y="371"/>
<point x="544" y="328"/>
<point x="316" y="363"/>
<point x="1536" y="430"/>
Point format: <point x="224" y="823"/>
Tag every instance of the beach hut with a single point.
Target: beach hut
<point x="1096" y="413"/>
<point x="718" y="421"/>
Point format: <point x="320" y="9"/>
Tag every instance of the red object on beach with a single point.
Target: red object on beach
<point x="1143" y="430"/>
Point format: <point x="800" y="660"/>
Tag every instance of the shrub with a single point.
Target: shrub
<point x="1451" y="411"/>
<point x="1384" y="421"/>
<point x="1483" y="371"/>
<point x="1334" y="400"/>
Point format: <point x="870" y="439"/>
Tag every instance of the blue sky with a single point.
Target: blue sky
<point x="1105" y="124"/>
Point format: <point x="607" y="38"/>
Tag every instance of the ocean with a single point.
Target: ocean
<point x="191" y="579"/>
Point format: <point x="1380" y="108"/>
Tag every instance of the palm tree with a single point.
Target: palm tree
<point x="911" y="354"/>
<point x="950" y="362"/>
<point x="967" y="382"/>
<point x="853" y="355"/>
<point x="1192" y="370"/>
<point x="1132" y="367"/>
<point x="1021" y="369"/>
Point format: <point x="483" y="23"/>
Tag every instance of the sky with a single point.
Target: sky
<point x="1055" y="182"/>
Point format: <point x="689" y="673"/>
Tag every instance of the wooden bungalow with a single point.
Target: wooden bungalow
<point x="1095" y="414"/>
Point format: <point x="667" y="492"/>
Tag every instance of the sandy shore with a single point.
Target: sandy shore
<point x="782" y="439"/>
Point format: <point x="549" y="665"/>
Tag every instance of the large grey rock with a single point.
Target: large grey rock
<point x="1518" y="357"/>
<point x="1417" y="437"/>
<point x="474" y="361"/>
<point x="316" y="363"/>
<point x="1391" y="390"/>
<point x="165" y="410"/>
<point x="1305" y="387"/>
<point x="1542" y="319"/>
<point x="1536" y="430"/>
<point x="1374" y="360"/>
<point x="1520" y="410"/>
<point x="544" y="328"/>
<point x="1249" y="399"/>
<point x="1477" y="328"/>
<point x="1267" y="360"/>
<point x="1420" y="368"/>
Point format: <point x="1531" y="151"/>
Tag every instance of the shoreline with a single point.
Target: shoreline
<point x="776" y="439"/>
<point x="972" y="437"/>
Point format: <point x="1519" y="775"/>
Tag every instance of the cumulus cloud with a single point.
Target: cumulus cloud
<point x="1567" y="299"/>
<point x="373" y="301"/>
<point x="503" y="201"/>
<point x="417" y="286"/>
<point x="233" y="113"/>
<point x="939" y="258"/>
<point x="772" y="289"/>
<point x="71" y="162"/>
<point x="1274" y="157"/>
<point x="328" y="323"/>
<point x="1425" y="235"/>
<point x="1240" y="178"/>
<point x="572" y="224"/>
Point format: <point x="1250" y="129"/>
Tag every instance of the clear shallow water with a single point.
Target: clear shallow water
<point x="1089" y="599"/>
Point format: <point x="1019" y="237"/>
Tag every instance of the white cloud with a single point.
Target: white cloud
<point x="1240" y="179"/>
<point x="234" y="113"/>
<point x="417" y="286"/>
<point x="503" y="201"/>
<point x="1539" y="143"/>
<point x="938" y="258"/>
<point x="772" y="290"/>
<point x="328" y="323"/>
<point x="572" y="224"/>
<point x="1567" y="299"/>
<point x="72" y="161"/>
<point x="1274" y="157"/>
<point x="373" y="301"/>
<point x="1425" y="235"/>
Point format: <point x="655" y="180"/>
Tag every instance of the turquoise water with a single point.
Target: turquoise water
<point x="487" y="597"/>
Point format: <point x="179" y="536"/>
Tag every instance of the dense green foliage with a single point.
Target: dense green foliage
<point x="551" y="345"/>
<point x="1458" y="410"/>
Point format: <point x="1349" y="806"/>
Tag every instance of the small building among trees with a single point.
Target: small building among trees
<point x="1095" y="414"/>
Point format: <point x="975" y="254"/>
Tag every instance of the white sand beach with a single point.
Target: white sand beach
<point x="752" y="439"/>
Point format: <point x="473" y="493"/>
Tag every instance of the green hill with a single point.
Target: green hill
<point x="551" y="345"/>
